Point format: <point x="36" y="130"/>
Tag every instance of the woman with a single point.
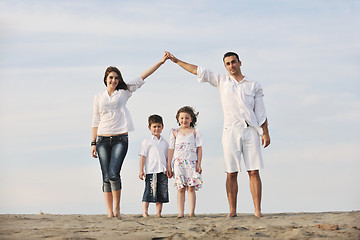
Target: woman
<point x="110" y="126"/>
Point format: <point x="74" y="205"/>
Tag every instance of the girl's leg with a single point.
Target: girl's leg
<point x="109" y="203"/>
<point x="116" y="199"/>
<point x="158" y="209"/>
<point x="192" y="200"/>
<point x="181" y="202"/>
<point x="145" y="206"/>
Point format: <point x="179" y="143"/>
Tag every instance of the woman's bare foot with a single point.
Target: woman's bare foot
<point x="110" y="214"/>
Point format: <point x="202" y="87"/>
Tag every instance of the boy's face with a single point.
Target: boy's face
<point x="156" y="129"/>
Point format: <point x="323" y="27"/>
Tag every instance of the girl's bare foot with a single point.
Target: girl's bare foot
<point x="158" y="216"/>
<point x="192" y="215"/>
<point x="180" y="216"/>
<point x="145" y="215"/>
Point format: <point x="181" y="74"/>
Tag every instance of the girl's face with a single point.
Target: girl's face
<point x="112" y="80"/>
<point x="184" y="119"/>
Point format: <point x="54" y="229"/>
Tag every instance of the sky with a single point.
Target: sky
<point x="53" y="54"/>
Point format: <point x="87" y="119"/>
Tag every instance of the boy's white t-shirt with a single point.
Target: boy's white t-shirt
<point x="155" y="150"/>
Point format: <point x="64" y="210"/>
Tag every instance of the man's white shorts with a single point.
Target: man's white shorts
<point x="243" y="141"/>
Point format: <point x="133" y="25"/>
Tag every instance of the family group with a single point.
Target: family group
<point x="245" y="130"/>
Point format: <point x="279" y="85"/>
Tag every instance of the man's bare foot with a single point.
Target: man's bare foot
<point x="230" y="215"/>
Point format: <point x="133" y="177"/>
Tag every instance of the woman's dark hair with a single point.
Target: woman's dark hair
<point x="228" y="54"/>
<point x="122" y="84"/>
<point x="191" y="112"/>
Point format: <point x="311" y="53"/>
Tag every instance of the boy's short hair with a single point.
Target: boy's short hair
<point x="155" y="119"/>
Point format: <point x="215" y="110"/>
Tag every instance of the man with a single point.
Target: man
<point x="244" y="122"/>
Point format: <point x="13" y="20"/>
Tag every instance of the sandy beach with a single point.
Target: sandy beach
<point x="329" y="225"/>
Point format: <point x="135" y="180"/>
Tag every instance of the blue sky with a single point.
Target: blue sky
<point x="53" y="55"/>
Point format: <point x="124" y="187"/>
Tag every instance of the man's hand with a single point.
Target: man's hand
<point x="172" y="57"/>
<point x="265" y="140"/>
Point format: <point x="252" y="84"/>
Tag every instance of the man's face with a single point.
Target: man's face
<point x="232" y="65"/>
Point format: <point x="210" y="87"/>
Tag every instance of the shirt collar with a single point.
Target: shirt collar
<point x="155" y="138"/>
<point x="233" y="79"/>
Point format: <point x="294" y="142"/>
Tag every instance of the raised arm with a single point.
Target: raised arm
<point x="187" y="66"/>
<point x="151" y="70"/>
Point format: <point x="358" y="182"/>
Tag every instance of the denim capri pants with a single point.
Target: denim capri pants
<point x="111" y="151"/>
<point x="156" y="188"/>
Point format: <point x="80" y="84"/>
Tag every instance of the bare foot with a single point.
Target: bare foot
<point x="117" y="215"/>
<point x="145" y="215"/>
<point x="231" y="215"/>
<point x="192" y="215"/>
<point x="258" y="215"/>
<point x="110" y="214"/>
<point x="158" y="216"/>
<point x="180" y="216"/>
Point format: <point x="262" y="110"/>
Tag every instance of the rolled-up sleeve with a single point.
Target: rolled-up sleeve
<point x="259" y="107"/>
<point x="205" y="75"/>
<point x="135" y="84"/>
<point x="144" y="149"/>
<point x="96" y="113"/>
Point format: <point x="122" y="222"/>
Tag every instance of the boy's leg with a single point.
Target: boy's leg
<point x="145" y="206"/>
<point x="192" y="200"/>
<point x="181" y="202"/>
<point x="158" y="209"/>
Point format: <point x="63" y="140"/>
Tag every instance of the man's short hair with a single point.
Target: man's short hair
<point x="155" y="119"/>
<point x="228" y="54"/>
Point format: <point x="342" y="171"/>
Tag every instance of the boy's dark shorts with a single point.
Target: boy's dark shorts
<point x="156" y="188"/>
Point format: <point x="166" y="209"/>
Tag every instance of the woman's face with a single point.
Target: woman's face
<point x="112" y="80"/>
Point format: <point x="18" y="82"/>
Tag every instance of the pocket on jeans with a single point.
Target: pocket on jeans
<point x="99" y="139"/>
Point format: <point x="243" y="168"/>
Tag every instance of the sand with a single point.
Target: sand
<point x="330" y="225"/>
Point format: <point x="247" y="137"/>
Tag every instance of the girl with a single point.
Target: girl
<point x="185" y="152"/>
<point x="110" y="126"/>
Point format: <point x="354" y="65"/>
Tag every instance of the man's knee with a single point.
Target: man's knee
<point x="254" y="174"/>
<point x="232" y="176"/>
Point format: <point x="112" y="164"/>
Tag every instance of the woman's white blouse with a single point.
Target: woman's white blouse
<point x="110" y="113"/>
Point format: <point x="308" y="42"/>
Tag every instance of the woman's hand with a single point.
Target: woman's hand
<point x="93" y="151"/>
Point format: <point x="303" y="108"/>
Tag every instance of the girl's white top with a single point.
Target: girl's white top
<point x="110" y="113"/>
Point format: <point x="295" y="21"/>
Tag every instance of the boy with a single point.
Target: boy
<point x="153" y="156"/>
